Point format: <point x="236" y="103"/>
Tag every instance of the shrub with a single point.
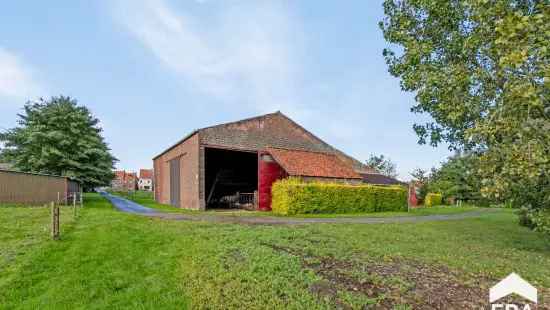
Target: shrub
<point x="538" y="220"/>
<point x="541" y="220"/>
<point x="525" y="217"/>
<point x="433" y="199"/>
<point x="292" y="196"/>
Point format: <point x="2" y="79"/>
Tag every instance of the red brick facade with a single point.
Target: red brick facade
<point x="124" y="181"/>
<point x="187" y="152"/>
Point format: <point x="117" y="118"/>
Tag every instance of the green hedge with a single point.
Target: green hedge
<point x="291" y="196"/>
<point x="433" y="199"/>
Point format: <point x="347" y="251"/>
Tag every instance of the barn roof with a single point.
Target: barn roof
<point x="312" y="164"/>
<point x="234" y="135"/>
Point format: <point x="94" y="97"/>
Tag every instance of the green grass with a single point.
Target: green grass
<point x="146" y="199"/>
<point x="109" y="259"/>
<point x="25" y="230"/>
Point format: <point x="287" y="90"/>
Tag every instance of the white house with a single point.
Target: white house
<point x="145" y="182"/>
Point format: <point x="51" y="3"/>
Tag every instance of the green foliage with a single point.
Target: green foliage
<point x="433" y="199"/>
<point x="62" y="138"/>
<point x="291" y="196"/>
<point x="538" y="220"/>
<point x="541" y="220"/>
<point x="458" y="178"/>
<point x="422" y="179"/>
<point x="383" y="164"/>
<point x="481" y="70"/>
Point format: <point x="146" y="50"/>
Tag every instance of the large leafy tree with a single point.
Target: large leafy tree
<point x="59" y="137"/>
<point x="481" y="70"/>
<point x="383" y="164"/>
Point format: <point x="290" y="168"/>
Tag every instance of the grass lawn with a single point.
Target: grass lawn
<point x="109" y="259"/>
<point x="146" y="199"/>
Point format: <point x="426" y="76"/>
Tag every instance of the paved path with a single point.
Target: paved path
<point x="126" y="205"/>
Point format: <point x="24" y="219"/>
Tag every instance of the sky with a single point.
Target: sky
<point x="154" y="70"/>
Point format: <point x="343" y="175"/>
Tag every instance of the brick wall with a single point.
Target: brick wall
<point x="188" y="154"/>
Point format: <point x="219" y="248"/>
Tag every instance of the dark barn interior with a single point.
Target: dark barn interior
<point x="231" y="178"/>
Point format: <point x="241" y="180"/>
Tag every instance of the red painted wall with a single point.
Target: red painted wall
<point x="413" y="200"/>
<point x="268" y="172"/>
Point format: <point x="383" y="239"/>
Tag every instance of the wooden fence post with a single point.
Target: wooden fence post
<point x="55" y="220"/>
<point x="74" y="204"/>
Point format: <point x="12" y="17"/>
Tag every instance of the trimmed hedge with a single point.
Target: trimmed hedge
<point x="292" y="196"/>
<point x="433" y="199"/>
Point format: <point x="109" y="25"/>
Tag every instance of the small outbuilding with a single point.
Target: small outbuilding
<point x="236" y="163"/>
<point x="35" y="188"/>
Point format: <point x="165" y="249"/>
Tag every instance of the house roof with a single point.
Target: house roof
<point x="312" y="164"/>
<point x="120" y="174"/>
<point x="377" y="178"/>
<point x="145" y="173"/>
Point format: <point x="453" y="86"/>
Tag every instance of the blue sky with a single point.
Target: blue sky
<point x="152" y="71"/>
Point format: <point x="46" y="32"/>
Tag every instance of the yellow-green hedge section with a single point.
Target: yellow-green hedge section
<point x="433" y="199"/>
<point x="292" y="196"/>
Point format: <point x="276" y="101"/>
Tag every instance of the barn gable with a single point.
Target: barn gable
<point x="274" y="130"/>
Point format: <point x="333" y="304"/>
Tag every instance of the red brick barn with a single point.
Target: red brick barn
<point x="230" y="162"/>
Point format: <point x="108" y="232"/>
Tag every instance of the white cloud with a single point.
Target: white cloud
<point x="243" y="53"/>
<point x="16" y="80"/>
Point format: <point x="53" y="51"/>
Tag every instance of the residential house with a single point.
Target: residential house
<point x="145" y="182"/>
<point x="124" y="181"/>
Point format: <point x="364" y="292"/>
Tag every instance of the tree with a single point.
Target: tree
<point x="420" y="175"/>
<point x="383" y="164"/>
<point x="422" y="178"/>
<point x="59" y="137"/>
<point x="481" y="70"/>
<point x="458" y="177"/>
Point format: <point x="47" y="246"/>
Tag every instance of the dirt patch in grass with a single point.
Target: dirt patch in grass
<point x="394" y="283"/>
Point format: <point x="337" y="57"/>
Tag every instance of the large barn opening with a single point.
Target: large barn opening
<point x="231" y="178"/>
